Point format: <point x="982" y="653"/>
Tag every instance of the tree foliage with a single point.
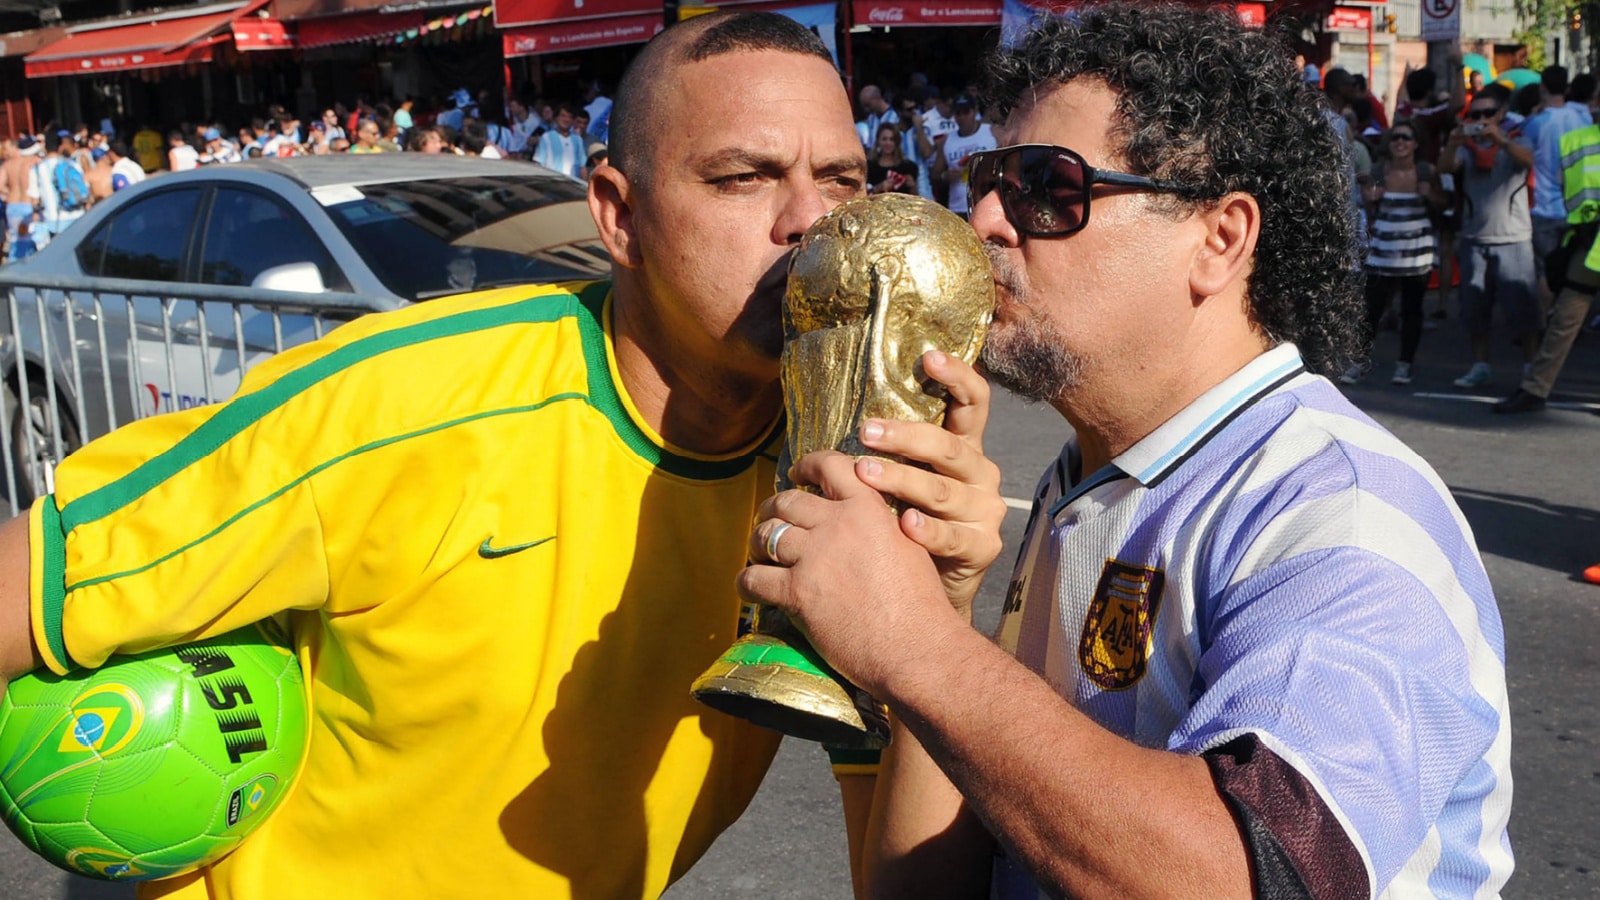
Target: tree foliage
<point x="1546" y="19"/>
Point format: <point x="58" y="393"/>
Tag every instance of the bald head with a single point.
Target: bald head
<point x="637" y="112"/>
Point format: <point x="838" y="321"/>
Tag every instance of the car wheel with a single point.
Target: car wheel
<point x="34" y="456"/>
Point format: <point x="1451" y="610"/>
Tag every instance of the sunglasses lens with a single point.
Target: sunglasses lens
<point x="1043" y="190"/>
<point x="981" y="177"/>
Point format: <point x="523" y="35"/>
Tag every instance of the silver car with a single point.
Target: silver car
<point x="349" y="233"/>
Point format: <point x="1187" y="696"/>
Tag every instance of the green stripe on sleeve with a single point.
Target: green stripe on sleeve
<point x="53" y="596"/>
<point x="603" y="396"/>
<point x="244" y="411"/>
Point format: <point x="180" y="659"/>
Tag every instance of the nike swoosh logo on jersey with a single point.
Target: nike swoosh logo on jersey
<point x="489" y="552"/>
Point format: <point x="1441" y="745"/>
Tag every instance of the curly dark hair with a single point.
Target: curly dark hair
<point x="1204" y="102"/>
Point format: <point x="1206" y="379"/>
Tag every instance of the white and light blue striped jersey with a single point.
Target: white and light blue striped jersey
<point x="1274" y="582"/>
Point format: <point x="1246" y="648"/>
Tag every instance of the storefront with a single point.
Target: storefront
<point x="553" y="48"/>
<point x="940" y="39"/>
<point x="190" y="65"/>
<point x="384" y="54"/>
<point x="229" y="61"/>
<point x="18" y="96"/>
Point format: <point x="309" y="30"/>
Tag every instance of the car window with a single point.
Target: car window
<point x="93" y="249"/>
<point x="441" y="236"/>
<point x="248" y="233"/>
<point x="146" y="238"/>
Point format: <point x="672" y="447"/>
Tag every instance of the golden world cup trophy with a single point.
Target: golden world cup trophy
<point x="874" y="285"/>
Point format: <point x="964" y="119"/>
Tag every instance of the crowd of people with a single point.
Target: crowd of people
<point x="919" y="139"/>
<point x="51" y="179"/>
<point x="1472" y="187"/>
<point x="1462" y="184"/>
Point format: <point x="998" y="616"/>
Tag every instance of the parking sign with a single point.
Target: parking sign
<point x="1441" y="20"/>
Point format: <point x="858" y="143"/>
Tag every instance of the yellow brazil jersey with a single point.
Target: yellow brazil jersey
<point x="501" y="584"/>
<point x="148" y="145"/>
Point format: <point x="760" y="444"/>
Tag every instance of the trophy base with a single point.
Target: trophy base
<point x="766" y="681"/>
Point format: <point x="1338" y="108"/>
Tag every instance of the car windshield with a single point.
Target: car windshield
<point x="444" y="236"/>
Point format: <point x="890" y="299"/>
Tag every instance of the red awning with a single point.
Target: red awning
<point x="587" y="34"/>
<point x="508" y="13"/>
<point x="371" y="26"/>
<point x="256" y="33"/>
<point x="381" y="27"/>
<point x="902" y="13"/>
<point x="704" y="6"/>
<point x="147" y="45"/>
<point x="147" y="42"/>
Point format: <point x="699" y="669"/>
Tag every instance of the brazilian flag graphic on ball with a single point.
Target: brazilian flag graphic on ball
<point x="155" y="764"/>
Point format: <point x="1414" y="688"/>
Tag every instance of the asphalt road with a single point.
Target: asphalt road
<point x="1530" y="486"/>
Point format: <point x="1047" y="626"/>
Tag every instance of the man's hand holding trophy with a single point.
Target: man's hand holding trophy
<point x="875" y="284"/>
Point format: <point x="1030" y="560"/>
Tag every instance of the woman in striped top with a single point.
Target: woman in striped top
<point x="1403" y="197"/>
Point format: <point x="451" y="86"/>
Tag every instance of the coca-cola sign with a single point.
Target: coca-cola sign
<point x="930" y="12"/>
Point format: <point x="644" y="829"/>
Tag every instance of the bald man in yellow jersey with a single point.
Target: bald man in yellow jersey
<point x="505" y="527"/>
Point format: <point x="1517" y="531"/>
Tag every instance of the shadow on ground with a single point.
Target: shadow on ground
<point x="1528" y="529"/>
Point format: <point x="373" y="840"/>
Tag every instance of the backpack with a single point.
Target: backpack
<point x="72" y="190"/>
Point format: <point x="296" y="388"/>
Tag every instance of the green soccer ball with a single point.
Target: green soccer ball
<point x="156" y="764"/>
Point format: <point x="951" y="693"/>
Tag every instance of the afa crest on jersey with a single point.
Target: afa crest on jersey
<point x="1115" y="647"/>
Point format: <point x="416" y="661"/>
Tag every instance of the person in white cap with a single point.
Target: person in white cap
<point x="598" y="154"/>
<point x="218" y="150"/>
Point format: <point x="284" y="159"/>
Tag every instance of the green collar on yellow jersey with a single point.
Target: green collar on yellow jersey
<point x="603" y="396"/>
<point x="245" y="410"/>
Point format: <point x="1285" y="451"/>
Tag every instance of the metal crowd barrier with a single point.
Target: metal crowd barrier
<point x="80" y="356"/>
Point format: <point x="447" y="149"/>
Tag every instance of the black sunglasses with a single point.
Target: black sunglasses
<point x="1045" y="189"/>
<point x="1482" y="113"/>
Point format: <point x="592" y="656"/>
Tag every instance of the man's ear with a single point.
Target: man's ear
<point x="610" y="198"/>
<point x="1228" y="247"/>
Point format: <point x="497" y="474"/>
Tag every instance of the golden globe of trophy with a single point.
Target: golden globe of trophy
<point x="874" y="285"/>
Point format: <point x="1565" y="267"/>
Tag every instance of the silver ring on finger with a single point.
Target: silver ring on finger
<point x="772" y="540"/>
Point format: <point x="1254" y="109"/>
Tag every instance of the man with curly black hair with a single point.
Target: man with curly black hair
<point x="1249" y="646"/>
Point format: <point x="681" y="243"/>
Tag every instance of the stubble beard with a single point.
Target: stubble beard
<point x="1027" y="354"/>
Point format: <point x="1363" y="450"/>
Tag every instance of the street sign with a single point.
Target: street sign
<point x="1441" y="20"/>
